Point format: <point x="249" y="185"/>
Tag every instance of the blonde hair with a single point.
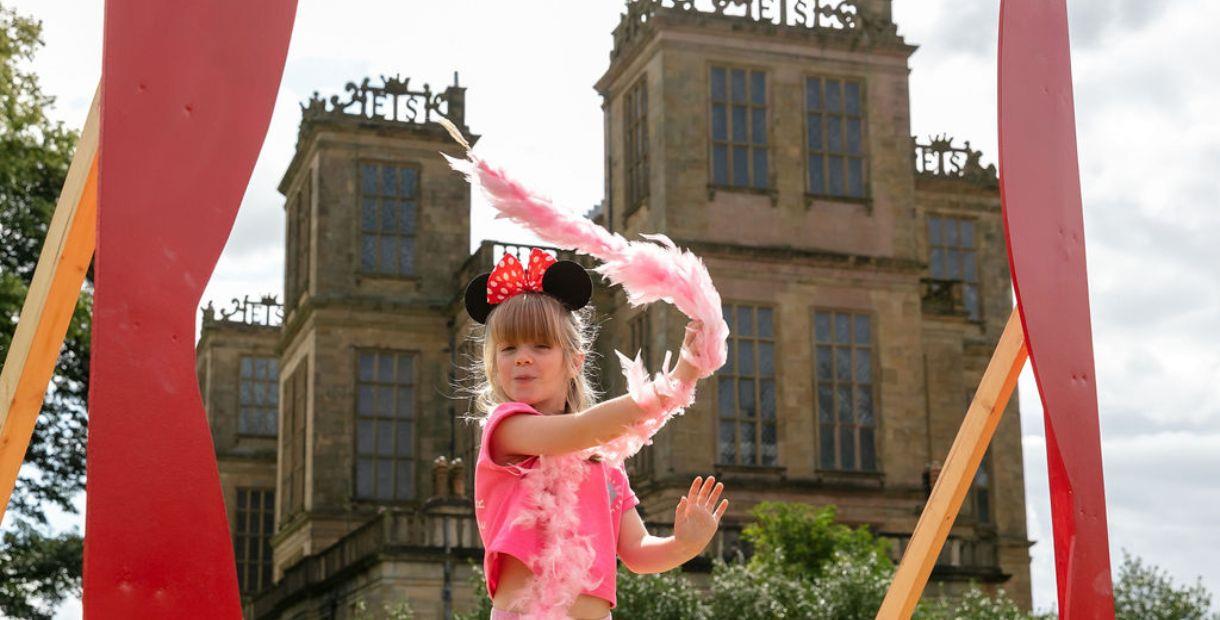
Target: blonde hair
<point x="535" y="317"/>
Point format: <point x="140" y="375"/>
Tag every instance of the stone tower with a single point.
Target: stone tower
<point x="377" y="226"/>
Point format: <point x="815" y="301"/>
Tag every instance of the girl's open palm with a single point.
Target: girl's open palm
<point x="697" y="516"/>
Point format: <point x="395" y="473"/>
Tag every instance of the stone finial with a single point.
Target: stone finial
<point x="440" y="477"/>
<point x="457" y="478"/>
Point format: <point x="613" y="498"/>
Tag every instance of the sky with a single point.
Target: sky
<point x="1149" y="145"/>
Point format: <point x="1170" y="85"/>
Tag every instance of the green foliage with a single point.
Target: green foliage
<point x="1148" y="593"/>
<point x="401" y="611"/>
<point x="482" y="600"/>
<point x="38" y="569"/>
<point x="37" y="572"/>
<point x="975" y="604"/>
<point x="808" y="537"/>
<point x="666" y="596"/>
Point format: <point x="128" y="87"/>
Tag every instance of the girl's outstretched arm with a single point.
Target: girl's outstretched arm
<point x="695" y="522"/>
<point x="528" y="435"/>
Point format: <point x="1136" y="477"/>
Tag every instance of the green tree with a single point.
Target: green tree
<point x="809" y="538"/>
<point x="1146" y="592"/>
<point x="38" y="569"/>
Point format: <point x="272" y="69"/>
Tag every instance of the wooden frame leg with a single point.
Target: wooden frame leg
<point x="49" y="305"/>
<point x="958" y="473"/>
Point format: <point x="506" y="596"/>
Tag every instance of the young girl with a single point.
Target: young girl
<point x="540" y="405"/>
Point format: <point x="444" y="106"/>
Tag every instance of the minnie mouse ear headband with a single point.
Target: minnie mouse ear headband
<point x="562" y="279"/>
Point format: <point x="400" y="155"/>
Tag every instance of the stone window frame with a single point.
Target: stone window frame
<point x="396" y="421"/>
<point x="874" y="392"/>
<point x="972" y="295"/>
<point x="268" y="386"/>
<point x="753" y="147"/>
<point x="408" y="239"/>
<point x="253" y="526"/>
<point x="292" y="450"/>
<point x="864" y="156"/>
<point x="639" y="336"/>
<point x="636" y="148"/>
<point x="300" y="216"/>
<point x="730" y="372"/>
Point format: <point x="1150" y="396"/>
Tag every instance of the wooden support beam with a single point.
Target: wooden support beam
<point x="955" y="479"/>
<point x="49" y="305"/>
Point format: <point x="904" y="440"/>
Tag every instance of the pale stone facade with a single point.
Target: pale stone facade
<point x="776" y="246"/>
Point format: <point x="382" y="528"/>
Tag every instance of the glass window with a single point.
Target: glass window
<point x="837" y="162"/>
<point x="739" y="156"/>
<point x="385" y="424"/>
<point x="746" y="389"/>
<point x="844" y="390"/>
<point x="388" y="198"/>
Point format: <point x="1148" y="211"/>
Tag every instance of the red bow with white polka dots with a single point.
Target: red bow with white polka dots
<point x="508" y="279"/>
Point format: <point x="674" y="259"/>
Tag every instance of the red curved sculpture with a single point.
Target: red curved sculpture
<point x="1040" y="189"/>
<point x="187" y="95"/>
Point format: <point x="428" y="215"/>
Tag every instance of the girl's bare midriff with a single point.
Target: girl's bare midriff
<point x="514" y="580"/>
<point x="515" y="577"/>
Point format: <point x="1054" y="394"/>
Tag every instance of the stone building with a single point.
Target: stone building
<point x="863" y="273"/>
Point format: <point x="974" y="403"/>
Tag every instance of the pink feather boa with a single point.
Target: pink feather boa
<point x="647" y="272"/>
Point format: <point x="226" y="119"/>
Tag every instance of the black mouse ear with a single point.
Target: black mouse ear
<point x="476" y="298"/>
<point x="568" y="282"/>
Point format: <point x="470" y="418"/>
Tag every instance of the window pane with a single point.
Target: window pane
<point x="760" y="168"/>
<point x="950" y="230"/>
<point x="834" y="101"/>
<point x="826" y="449"/>
<point x="937" y="266"/>
<point x="368" y="253"/>
<point x="855" y="177"/>
<point x="364" y="477"/>
<point x="836" y="176"/>
<point x="813" y="93"/>
<point x="738" y="77"/>
<point x="385" y="479"/>
<point x="967" y="234"/>
<point x="389" y="255"/>
<point x="817" y="179"/>
<point x="770" y="450"/>
<point x="851" y="97"/>
<point x="821" y="323"/>
<point x="764" y="323"/>
<point x="389" y="181"/>
<point x="404" y="405"/>
<point x="864" y="366"/>
<point x="767" y="395"/>
<point x="847" y="448"/>
<point x="952" y="260"/>
<point x="739" y="124"/>
<point x="745" y="358"/>
<point x="724" y="397"/>
<point x="385" y="438"/>
<point x="868" y="451"/>
<point x="728" y="364"/>
<point x="758" y="125"/>
<point x="813" y="126"/>
<point x="406" y="256"/>
<point x="863" y="330"/>
<point x="843" y="364"/>
<point x="402" y="440"/>
<point x="403" y="480"/>
<point x="720" y="127"/>
<point x="934" y="230"/>
<point x="843" y="403"/>
<point x="842" y="328"/>
<point x="718" y="92"/>
<point x="407" y="220"/>
<point x="741" y="166"/>
<point x="855" y="143"/>
<point x="247" y="368"/>
<point x="834" y="134"/>
<point x="726" y="442"/>
<point x="366" y="366"/>
<point x="389" y="216"/>
<point x="969" y="267"/>
<point x="746" y="434"/>
<point x="825" y="365"/>
<point x="720" y="164"/>
<point x="745" y="398"/>
<point x="364" y="437"/>
<point x="864" y="405"/>
<point x="407" y="178"/>
<point x="826" y="401"/>
<point x="766" y="359"/>
<point x="758" y="87"/>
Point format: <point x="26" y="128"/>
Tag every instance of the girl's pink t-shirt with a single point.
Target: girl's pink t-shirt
<point x="498" y="494"/>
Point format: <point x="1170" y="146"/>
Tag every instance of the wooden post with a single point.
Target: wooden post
<point x="958" y="473"/>
<point x="49" y="305"/>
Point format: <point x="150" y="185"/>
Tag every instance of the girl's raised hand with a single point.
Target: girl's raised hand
<point x="692" y="349"/>
<point x="695" y="521"/>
